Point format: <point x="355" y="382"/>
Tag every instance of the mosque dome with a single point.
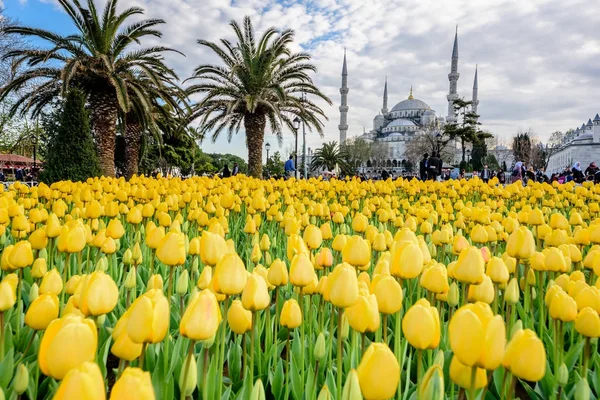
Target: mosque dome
<point x="411" y="104"/>
<point x="400" y="122"/>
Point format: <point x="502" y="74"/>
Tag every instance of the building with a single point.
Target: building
<point x="396" y="127"/>
<point x="579" y="145"/>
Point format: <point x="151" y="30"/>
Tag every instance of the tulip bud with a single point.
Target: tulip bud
<point x="582" y="390"/>
<point x="21" y="379"/>
<point x="268" y="259"/>
<point x="563" y="375"/>
<point x="136" y="254"/>
<point x="102" y="264"/>
<point x="511" y="293"/>
<point x="533" y="293"/>
<point x="324" y="394"/>
<point x="319" y="351"/>
<point x="345" y="327"/>
<point x="100" y="319"/>
<point x="432" y="386"/>
<point x="34" y="292"/>
<point x="439" y="358"/>
<point x="453" y="296"/>
<point x="188" y="376"/>
<point x="43" y="253"/>
<point x="195" y="265"/>
<point x="2" y="391"/>
<point x="258" y="391"/>
<point x="516" y="328"/>
<point x="130" y="281"/>
<point x="352" y="387"/>
<point x="183" y="283"/>
<point x="127" y="257"/>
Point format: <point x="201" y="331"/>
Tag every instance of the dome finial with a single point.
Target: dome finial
<point x="410" y="96"/>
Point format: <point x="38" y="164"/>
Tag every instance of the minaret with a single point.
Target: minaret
<point x="343" y="126"/>
<point x="384" y="110"/>
<point x="453" y="78"/>
<point x="475" y="101"/>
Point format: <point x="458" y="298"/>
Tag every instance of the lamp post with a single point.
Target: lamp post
<point x="268" y="147"/>
<point x="304" y="150"/>
<point x="296" y="127"/>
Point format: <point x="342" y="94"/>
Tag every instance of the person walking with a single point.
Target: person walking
<point x="577" y="173"/>
<point x="485" y="174"/>
<point x="226" y="172"/>
<point x="433" y="167"/>
<point x="501" y="177"/>
<point x="517" y="173"/>
<point x="289" y="167"/>
<point x="236" y="169"/>
<point x="423" y="165"/>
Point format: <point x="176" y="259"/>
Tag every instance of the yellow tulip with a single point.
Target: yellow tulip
<point x="421" y="325"/>
<point x="435" y="279"/>
<point x="432" y="386"/>
<point x="238" y="318"/>
<point x="483" y="292"/>
<point x="497" y="271"/>
<point x="363" y="316"/>
<point x="587" y="323"/>
<point x="312" y="237"/>
<point x="51" y="283"/>
<point x="134" y="384"/>
<point x="255" y="296"/>
<point x="291" y="315"/>
<point x="123" y="347"/>
<point x="67" y="343"/>
<point x="8" y="296"/>
<point x="343" y="286"/>
<point x="562" y="307"/>
<point x="378" y="373"/>
<point x="42" y="311"/>
<point x="356" y="252"/>
<point x="407" y="260"/>
<point x="83" y="382"/>
<point x="38" y="239"/>
<point x="171" y="249"/>
<point x="96" y="294"/>
<point x="21" y="255"/>
<point x="115" y="229"/>
<point x="148" y="318"/>
<point x="324" y="258"/>
<point x="202" y="316"/>
<point x="155" y="282"/>
<point x="296" y="246"/>
<point x="470" y="267"/>
<point x="477" y="337"/>
<point x="521" y="244"/>
<point x="230" y="275"/>
<point x="461" y="375"/>
<point x="525" y="356"/>
<point x="212" y="248"/>
<point x="277" y="274"/>
<point x="301" y="271"/>
<point x="389" y="295"/>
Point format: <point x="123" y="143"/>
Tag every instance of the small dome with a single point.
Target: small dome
<point x="411" y="104"/>
<point x="400" y="122"/>
<point x="379" y="117"/>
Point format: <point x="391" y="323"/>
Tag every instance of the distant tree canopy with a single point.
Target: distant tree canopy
<point x="466" y="128"/>
<point x="274" y="166"/>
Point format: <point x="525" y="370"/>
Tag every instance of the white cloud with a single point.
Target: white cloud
<point x="538" y="59"/>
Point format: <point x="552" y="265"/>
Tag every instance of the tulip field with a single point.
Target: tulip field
<point x="208" y="288"/>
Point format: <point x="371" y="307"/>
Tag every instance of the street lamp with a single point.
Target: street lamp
<point x="268" y="147"/>
<point x="296" y="127"/>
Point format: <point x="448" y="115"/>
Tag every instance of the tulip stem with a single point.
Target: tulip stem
<point x="142" y="357"/>
<point x="541" y="307"/>
<point x="465" y="289"/>
<point x="384" y="328"/>
<point x="472" y="389"/>
<point x="188" y="361"/>
<point x="252" y="341"/>
<point x="121" y="368"/>
<point x="244" y="356"/>
<point x="287" y="365"/>
<point x="222" y="347"/>
<point x="19" y="295"/>
<point x="2" y="328"/>
<point x="419" y="366"/>
<point x="511" y="390"/>
<point x="339" y="355"/>
<point x="302" y="342"/>
<point x="586" y="357"/>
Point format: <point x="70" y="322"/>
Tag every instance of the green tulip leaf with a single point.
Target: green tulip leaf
<point x="278" y="381"/>
<point x="234" y="362"/>
<point x="7" y="368"/>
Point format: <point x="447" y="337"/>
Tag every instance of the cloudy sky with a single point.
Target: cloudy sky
<point x="539" y="60"/>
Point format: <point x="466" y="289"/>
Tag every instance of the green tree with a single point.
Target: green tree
<point x="492" y="162"/>
<point x="328" y="156"/>
<point x="274" y="166"/>
<point x="522" y="147"/>
<point x="478" y="155"/>
<point x="261" y="83"/>
<point x="358" y="151"/>
<point x="466" y="128"/>
<point x="71" y="154"/>
<point x="220" y="160"/>
<point x="98" y="59"/>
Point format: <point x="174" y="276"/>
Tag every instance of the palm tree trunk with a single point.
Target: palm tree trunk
<point x="255" y="134"/>
<point x="133" y="138"/>
<point x="104" y="120"/>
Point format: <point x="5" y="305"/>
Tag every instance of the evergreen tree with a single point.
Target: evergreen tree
<point x="71" y="154"/>
<point x="466" y="128"/>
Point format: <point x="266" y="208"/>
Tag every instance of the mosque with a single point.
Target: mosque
<point x="396" y="127"/>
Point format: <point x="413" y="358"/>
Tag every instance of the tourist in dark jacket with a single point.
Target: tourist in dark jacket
<point x="577" y="173"/>
<point x="423" y="167"/>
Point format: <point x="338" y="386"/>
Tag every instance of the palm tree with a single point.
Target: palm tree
<point x="99" y="60"/>
<point x="260" y="82"/>
<point x="328" y="156"/>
